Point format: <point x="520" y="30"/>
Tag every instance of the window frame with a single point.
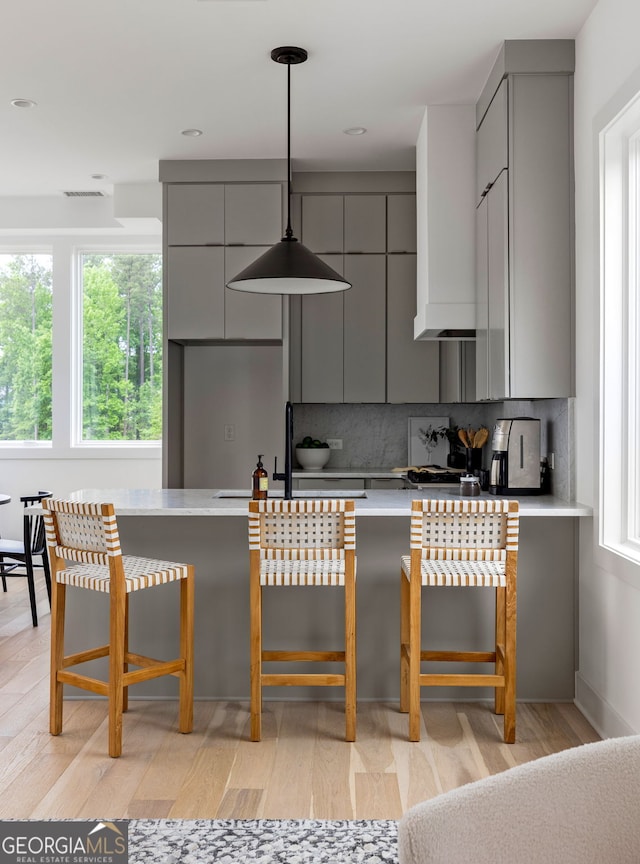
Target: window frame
<point x="619" y="459"/>
<point x="67" y="342"/>
<point x="77" y="441"/>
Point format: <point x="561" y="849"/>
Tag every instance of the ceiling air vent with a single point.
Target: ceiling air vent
<point x="88" y="194"/>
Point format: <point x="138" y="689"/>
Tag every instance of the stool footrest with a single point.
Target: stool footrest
<point x="300" y="656"/>
<point x="473" y="679"/>
<point x="85" y="656"/>
<point x="302" y="680"/>
<point x="459" y="656"/>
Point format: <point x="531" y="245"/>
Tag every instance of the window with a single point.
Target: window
<point x="121" y="346"/>
<point x="620" y="333"/>
<point x="25" y="347"/>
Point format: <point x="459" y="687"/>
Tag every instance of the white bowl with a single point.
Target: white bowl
<point x="312" y="458"/>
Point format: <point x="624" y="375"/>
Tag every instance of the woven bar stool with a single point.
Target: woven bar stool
<point x="296" y="543"/>
<point x="84" y="550"/>
<point x="469" y="544"/>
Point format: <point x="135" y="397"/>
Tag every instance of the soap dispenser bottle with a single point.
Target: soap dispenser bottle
<point x="260" y="481"/>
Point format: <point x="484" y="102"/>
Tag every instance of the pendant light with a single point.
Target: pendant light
<point x="289" y="267"/>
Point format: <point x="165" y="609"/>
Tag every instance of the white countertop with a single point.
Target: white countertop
<point x="378" y="502"/>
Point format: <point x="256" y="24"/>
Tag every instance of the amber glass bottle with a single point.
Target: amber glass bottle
<point x="260" y="481"/>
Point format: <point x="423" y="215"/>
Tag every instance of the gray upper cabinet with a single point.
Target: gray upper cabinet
<point x="322" y="219"/>
<point x="365" y="223"/>
<point x="252" y="214"/>
<point x="412" y="366"/>
<point x="358" y="346"/>
<point x="492" y="379"/>
<point x="364" y="329"/>
<point x="322" y="338"/>
<point x="246" y="315"/>
<point x="195" y="299"/>
<point x="243" y="220"/>
<point x="525" y="234"/>
<point x="492" y="142"/>
<point x="195" y="214"/>
<point x="401" y="224"/>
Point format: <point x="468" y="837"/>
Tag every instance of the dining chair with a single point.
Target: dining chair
<point x="297" y="543"/>
<point x="84" y="548"/>
<point x="20" y="554"/>
<point x="464" y="544"/>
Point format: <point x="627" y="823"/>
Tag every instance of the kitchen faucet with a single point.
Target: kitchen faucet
<point x="287" y="475"/>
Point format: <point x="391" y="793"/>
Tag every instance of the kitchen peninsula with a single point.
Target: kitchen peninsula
<point x="208" y="527"/>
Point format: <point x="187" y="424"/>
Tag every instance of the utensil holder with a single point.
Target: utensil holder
<point x="474" y="459"/>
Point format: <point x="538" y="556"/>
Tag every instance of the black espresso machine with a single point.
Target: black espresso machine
<point x="515" y="463"/>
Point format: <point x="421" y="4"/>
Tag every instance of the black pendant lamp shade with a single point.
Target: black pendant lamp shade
<point x="289" y="267"/>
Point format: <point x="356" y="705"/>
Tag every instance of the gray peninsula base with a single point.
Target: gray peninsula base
<point x="313" y="618"/>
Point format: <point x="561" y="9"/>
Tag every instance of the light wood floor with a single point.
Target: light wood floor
<point x="301" y="769"/>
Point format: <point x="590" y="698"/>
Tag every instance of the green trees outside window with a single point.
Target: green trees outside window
<point x="120" y="362"/>
<point x="122" y="347"/>
<point x="25" y="347"/>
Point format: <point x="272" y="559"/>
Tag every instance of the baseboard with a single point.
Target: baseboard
<point x="602" y="716"/>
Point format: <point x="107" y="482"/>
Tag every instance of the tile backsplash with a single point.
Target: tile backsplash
<point x="376" y="436"/>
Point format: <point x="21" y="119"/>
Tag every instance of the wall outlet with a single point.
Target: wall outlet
<point x="230" y="432"/>
<point x="334" y="443"/>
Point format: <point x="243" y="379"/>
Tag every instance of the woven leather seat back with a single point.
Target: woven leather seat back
<point x="305" y="529"/>
<point x="464" y="530"/>
<point x="81" y="532"/>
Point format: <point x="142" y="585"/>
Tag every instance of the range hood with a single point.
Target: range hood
<point x="445" y="217"/>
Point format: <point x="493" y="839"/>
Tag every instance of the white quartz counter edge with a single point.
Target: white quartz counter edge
<point x="203" y="502"/>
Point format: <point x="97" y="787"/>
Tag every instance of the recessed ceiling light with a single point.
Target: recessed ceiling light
<point x="191" y="133"/>
<point x="355" y="130"/>
<point x="23" y="103"/>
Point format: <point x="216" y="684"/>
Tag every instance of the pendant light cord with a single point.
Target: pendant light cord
<point x="289" y="231"/>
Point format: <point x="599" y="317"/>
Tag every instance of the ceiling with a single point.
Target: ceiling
<point x="116" y="82"/>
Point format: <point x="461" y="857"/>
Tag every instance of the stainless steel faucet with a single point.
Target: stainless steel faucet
<point x="287" y="476"/>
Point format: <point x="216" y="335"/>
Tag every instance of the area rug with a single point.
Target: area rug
<point x="267" y="841"/>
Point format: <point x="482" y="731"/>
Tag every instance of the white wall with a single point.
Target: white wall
<point x="607" y="688"/>
<point x="61" y="476"/>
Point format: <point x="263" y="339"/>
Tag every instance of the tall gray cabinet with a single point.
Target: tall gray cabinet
<point x="358" y="346"/>
<point x="218" y="217"/>
<point x="524" y="223"/>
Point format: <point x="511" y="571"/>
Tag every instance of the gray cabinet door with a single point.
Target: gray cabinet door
<point x="247" y="315"/>
<point x="482" y="301"/>
<point x="322" y="328"/>
<point x="195" y="214"/>
<point x="541" y="237"/>
<point x="498" y="287"/>
<point x="401" y="223"/>
<point x="195" y="292"/>
<point x="365" y="223"/>
<point x="364" y="329"/>
<point x="412" y="366"/>
<point x="253" y="214"/>
<point x="492" y="142"/>
<point x="322" y="220"/>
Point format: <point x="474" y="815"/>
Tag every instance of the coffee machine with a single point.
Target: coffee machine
<point x="515" y="463"/>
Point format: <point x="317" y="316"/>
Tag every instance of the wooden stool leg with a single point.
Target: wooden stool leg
<point x="500" y="640"/>
<point x="125" y="665"/>
<point x="58" y="597"/>
<point x="404" y="642"/>
<point x="510" y="661"/>
<point x="187" y="594"/>
<point x="256" y="657"/>
<point x="415" y="638"/>
<point x="116" y="670"/>
<point x="350" y="657"/>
